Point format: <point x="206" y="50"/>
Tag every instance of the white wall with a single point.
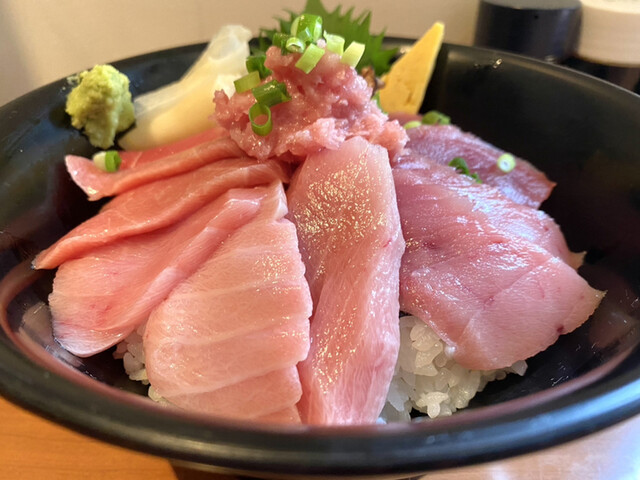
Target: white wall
<point x="43" y="40"/>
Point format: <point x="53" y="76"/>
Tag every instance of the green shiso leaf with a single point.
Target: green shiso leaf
<point x="351" y="27"/>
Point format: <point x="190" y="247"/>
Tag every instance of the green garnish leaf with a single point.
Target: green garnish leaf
<point x="461" y="166"/>
<point x="310" y="58"/>
<point x="434" y="117"/>
<point x="351" y="28"/>
<point x="256" y="111"/>
<point x="307" y="28"/>
<point x="255" y="63"/>
<point x="108" y="161"/>
<point x="353" y="53"/>
<point x="294" y="44"/>
<point x="247" y="82"/>
<point x="506" y="162"/>
<point x="413" y="124"/>
<point x="271" y="93"/>
<point x="335" y="43"/>
<point x="376" y="98"/>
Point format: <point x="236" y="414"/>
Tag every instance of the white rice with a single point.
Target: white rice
<point x="427" y="379"/>
<point x="132" y="355"/>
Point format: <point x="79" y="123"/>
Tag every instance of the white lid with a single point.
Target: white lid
<point x="610" y="32"/>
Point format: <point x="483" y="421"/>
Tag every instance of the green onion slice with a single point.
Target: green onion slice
<point x="271" y="93"/>
<point x="335" y="43"/>
<point x="310" y="58"/>
<point x="256" y="111"/>
<point x="255" y="63"/>
<point x="353" y="54"/>
<point x="461" y="166"/>
<point x="249" y="81"/>
<point x="108" y="161"/>
<point x="294" y="44"/>
<point x="506" y="162"/>
<point x="307" y="27"/>
<point x="412" y="124"/>
<point x="280" y="40"/>
<point x="434" y="117"/>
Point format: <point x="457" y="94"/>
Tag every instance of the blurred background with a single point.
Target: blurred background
<point x="44" y="40"/>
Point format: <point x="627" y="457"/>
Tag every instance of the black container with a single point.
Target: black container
<point x="581" y="131"/>
<point x="543" y="29"/>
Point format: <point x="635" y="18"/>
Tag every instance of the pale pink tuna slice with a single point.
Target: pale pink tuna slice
<point x="442" y="143"/>
<point x="251" y="399"/>
<point x="344" y="206"/>
<point x="138" y="168"/>
<point x="328" y="105"/>
<point x="159" y="204"/>
<point x="98" y="299"/>
<point x="501" y="212"/>
<point x="493" y="296"/>
<point x="227" y="340"/>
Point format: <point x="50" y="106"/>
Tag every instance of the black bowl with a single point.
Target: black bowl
<point x="583" y="132"/>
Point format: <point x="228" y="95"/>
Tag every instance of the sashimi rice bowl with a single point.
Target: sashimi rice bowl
<point x="256" y="250"/>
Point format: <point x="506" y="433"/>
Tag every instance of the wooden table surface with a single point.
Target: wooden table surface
<point x="33" y="448"/>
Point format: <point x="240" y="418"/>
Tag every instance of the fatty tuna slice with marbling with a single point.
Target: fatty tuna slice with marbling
<point x="344" y="206"/>
<point x="98" y="299"/>
<point x="524" y="184"/>
<point x="138" y="168"/>
<point x="159" y="204"/>
<point x="227" y="340"/>
<point x="493" y="296"/>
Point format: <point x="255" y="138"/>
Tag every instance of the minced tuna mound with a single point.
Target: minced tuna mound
<point x="328" y="105"/>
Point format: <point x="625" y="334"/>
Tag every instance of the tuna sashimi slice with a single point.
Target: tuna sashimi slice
<point x="495" y="297"/>
<point x="266" y="398"/>
<point x="98" y="299"/>
<point x="344" y="206"/>
<point x="138" y="168"/>
<point x="503" y="213"/>
<point x="227" y="340"/>
<point x="159" y="204"/>
<point x="525" y="184"/>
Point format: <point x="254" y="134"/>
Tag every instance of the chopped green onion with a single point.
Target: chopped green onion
<point x="255" y="63"/>
<point x="280" y="40"/>
<point x="353" y="54"/>
<point x="434" y="117"/>
<point x="307" y="27"/>
<point x="294" y="44"/>
<point x="247" y="82"/>
<point x="335" y="43"/>
<point x="461" y="166"/>
<point x="108" y="161"/>
<point x="310" y="58"/>
<point x="271" y="93"/>
<point x="412" y="124"/>
<point x="506" y="162"/>
<point x="256" y="111"/>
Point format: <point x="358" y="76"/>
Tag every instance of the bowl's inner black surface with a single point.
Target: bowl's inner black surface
<point x="579" y="131"/>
